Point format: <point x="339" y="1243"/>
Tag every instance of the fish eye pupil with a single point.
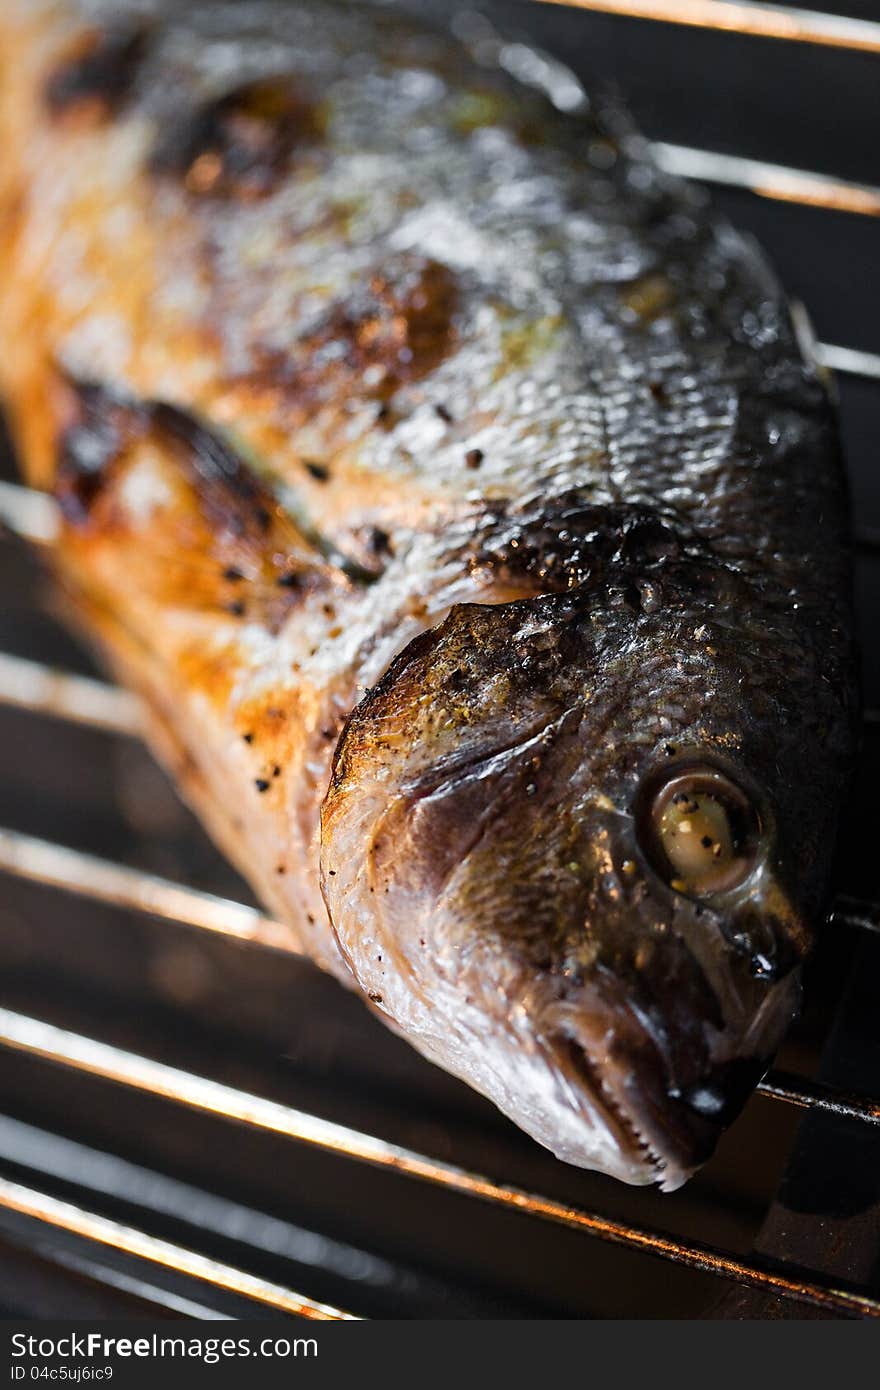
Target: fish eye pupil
<point x="700" y="831"/>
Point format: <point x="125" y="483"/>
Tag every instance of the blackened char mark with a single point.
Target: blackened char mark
<point x="242" y="144"/>
<point x="230" y="493"/>
<point x="253" y="537"/>
<point x="564" y="543"/>
<point x="101" y="427"/>
<point x="105" y="425"/>
<point x="400" y="324"/>
<point x="220" y="542"/>
<point x="97" y="76"/>
<point x="394" y="328"/>
<point x="234" y="498"/>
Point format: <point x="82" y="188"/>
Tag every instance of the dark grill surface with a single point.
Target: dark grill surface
<point x="791" y="1197"/>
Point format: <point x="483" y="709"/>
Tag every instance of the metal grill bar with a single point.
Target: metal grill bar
<point x="99" y="1174"/>
<point x="854" y="912"/>
<point x="744" y="17"/>
<point x="849" y="361"/>
<point x="94" y="1268"/>
<point x="27" y="513"/>
<point x="55" y="866"/>
<point x="94" y="1058"/>
<point x="45" y="690"/>
<point x="64" y="1216"/>
<point x="775" y="181"/>
<point x="813" y="1095"/>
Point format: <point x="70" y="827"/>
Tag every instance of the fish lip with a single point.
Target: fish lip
<point x="572" y="1057"/>
<point x="666" y="1140"/>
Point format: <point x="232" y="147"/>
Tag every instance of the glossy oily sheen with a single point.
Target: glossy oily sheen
<point x="454" y="489"/>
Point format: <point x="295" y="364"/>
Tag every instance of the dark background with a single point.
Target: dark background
<point x="278" y="1028"/>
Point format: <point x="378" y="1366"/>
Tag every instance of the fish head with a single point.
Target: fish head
<point x="568" y="851"/>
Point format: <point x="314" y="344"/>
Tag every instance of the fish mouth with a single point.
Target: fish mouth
<point x="662" y="1137"/>
<point x="585" y="1076"/>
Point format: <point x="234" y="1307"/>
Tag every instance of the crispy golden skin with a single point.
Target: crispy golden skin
<point x="453" y="488"/>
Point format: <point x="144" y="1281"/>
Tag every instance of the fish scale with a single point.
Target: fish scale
<point x="450" y="484"/>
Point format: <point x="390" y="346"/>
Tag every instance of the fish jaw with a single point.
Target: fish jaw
<point x="484" y="876"/>
<point x="572" y="1064"/>
<point x="573" y="1067"/>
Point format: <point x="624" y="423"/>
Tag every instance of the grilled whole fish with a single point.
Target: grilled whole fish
<point x="454" y="489"/>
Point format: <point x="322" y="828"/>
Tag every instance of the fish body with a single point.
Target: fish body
<point x="451" y="484"/>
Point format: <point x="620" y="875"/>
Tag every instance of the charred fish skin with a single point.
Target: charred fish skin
<point x="452" y="486"/>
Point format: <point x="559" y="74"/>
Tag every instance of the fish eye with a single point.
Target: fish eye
<point x="701" y="831"/>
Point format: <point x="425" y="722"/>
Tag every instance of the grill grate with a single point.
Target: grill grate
<point x="124" y="1068"/>
<point x="746" y="17"/>
<point x="80" y="700"/>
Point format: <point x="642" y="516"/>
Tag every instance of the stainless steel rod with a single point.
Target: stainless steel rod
<point x="743" y="17"/>
<point x="87" y="1055"/>
<point x="86" y="875"/>
<point x="64" y="1216"/>
<point x="777" y="181"/>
